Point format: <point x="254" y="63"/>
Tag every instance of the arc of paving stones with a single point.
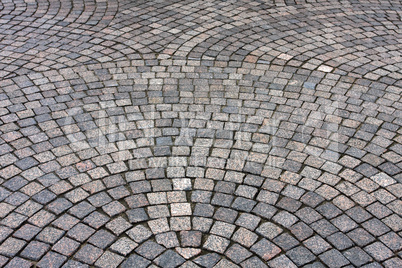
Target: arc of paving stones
<point x="64" y="52"/>
<point x="251" y="32"/>
<point x="232" y="31"/>
<point x="42" y="12"/>
<point x="199" y="163"/>
<point x="60" y="34"/>
<point x="214" y="202"/>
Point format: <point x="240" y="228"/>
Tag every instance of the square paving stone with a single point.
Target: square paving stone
<point x="311" y="199"/>
<point x="301" y="231"/>
<point x="358" y="214"/>
<point x="202" y="224"/>
<point x="208" y="260"/>
<point x="300" y="255"/>
<point x="102" y="239"/>
<point x="225" y="214"/>
<point x="281" y="261"/>
<point x="344" y="223"/>
<point x="180" y="209"/>
<point x="96" y="219"/>
<point x="169" y="259"/>
<point x="223" y="229"/>
<point x="392" y="241"/>
<point x="243" y="204"/>
<point x="159" y="211"/>
<point x="378" y="251"/>
<point x="223" y="200"/>
<point x="114" y="208"/>
<point x="44" y="197"/>
<point x="17" y="262"/>
<point x="394" y="262"/>
<point x="248" y="221"/>
<point x="50" y="235"/>
<point x="204" y="210"/>
<point x="16" y="199"/>
<point x="88" y="254"/>
<point x="308" y="215"/>
<point x="264" y="210"/>
<point x="238" y="253"/>
<point x="159" y="226"/>
<point x="59" y="205"/>
<point x="139" y="233"/>
<point x="375" y="227"/>
<point x="285" y="218"/>
<point x="137" y="215"/>
<point x="328" y="210"/>
<point x="124" y="246"/>
<point x="150" y="250"/>
<point x="316" y="244"/>
<point x="42" y="218"/>
<point x="66" y="246"/>
<point x="269" y="230"/>
<point x="324" y="228"/>
<point x="190" y="238"/>
<point x="35" y="250"/>
<point x="80" y="232"/>
<point x="357" y="256"/>
<point x="333" y="258"/>
<point x="109" y="259"/>
<point x="265" y="249"/>
<point x="340" y="241"/>
<point x="81" y="210"/>
<point x="136" y="201"/>
<point x="118" y="225"/>
<point x="5" y="209"/>
<point x="245" y="237"/>
<point x="225" y="263"/>
<point x="201" y="196"/>
<point x="168" y="240"/>
<point x="216" y="243"/>
<point x="136" y="261"/>
<point x="286" y="241"/>
<point x="74" y="264"/>
<point x="11" y="246"/>
<point x="253" y="262"/>
<point x="99" y="199"/>
<point x="27" y="232"/>
<point x="51" y="259"/>
<point x="360" y="237"/>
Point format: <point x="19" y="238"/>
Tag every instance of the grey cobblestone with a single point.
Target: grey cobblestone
<point x="199" y="133"/>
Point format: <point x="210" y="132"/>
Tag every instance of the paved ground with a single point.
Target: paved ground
<point x="200" y="133"/>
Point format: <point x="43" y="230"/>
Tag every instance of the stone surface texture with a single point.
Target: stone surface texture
<point x="262" y="133"/>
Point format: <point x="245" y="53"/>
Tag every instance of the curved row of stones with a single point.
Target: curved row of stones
<point x="52" y="35"/>
<point x="164" y="161"/>
<point x="145" y="158"/>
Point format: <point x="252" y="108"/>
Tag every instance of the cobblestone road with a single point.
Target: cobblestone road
<point x="200" y="133"/>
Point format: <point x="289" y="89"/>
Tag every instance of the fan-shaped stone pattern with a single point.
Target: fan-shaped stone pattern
<point x="59" y="13"/>
<point x="221" y="160"/>
<point x="143" y="159"/>
<point x="307" y="36"/>
<point x="52" y="35"/>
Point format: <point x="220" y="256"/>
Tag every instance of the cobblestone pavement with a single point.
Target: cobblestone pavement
<point x="200" y="133"/>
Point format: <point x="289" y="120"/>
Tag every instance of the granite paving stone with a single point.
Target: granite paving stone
<point x="333" y="258"/>
<point x="200" y="133"/>
<point x="88" y="254"/>
<point x="66" y="246"/>
<point x="35" y="250"/>
<point x="51" y="259"/>
<point x="378" y="251"/>
<point x="357" y="256"/>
